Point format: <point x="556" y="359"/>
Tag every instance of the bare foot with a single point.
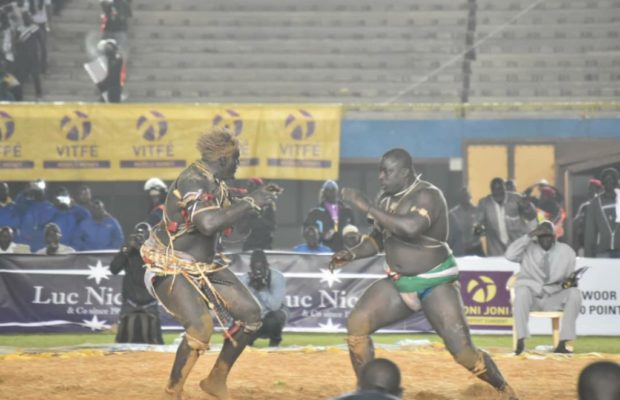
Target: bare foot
<point x="171" y="394"/>
<point x="508" y="393"/>
<point x="215" y="387"/>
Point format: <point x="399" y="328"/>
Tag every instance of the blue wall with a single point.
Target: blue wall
<point x="444" y="138"/>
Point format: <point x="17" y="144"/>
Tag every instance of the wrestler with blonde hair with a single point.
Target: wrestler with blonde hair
<point x="187" y="274"/>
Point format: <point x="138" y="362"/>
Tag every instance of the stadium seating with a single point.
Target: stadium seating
<point x="350" y="51"/>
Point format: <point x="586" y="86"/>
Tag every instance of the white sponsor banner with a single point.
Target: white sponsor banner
<point x="600" y="293"/>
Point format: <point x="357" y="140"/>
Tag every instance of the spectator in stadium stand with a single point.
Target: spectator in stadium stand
<point x="101" y="232"/>
<point x="599" y="380"/>
<point x="269" y="287"/>
<point x="10" y="88"/>
<point x="330" y="216"/>
<point x="259" y="227"/>
<point x="8" y="246"/>
<point x="34" y="213"/>
<point x="28" y="54"/>
<point x="139" y="317"/>
<point x="68" y="216"/>
<point x="579" y="222"/>
<point x="111" y="87"/>
<point x="84" y="197"/>
<point x="549" y="208"/>
<point x="511" y="185"/>
<point x="312" y="242"/>
<point x="380" y="380"/>
<point x="52" y="241"/>
<point x="351" y="236"/>
<point x="8" y="212"/>
<point x="503" y="216"/>
<point x="602" y="238"/>
<point x="40" y="10"/>
<point x="464" y="217"/>
<point x="157" y="192"/>
<point x="115" y="21"/>
<point x="543" y="282"/>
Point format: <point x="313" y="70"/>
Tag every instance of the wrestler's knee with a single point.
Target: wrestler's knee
<point x="467" y="357"/>
<point x="197" y="342"/>
<point x="358" y="324"/>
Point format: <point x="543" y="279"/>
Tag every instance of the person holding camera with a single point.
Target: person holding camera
<point x="139" y="318"/>
<point x="269" y="288"/>
<point x="545" y="282"/>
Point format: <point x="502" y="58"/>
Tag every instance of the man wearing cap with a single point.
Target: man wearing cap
<point x="351" y="236"/>
<point x="52" y="236"/>
<point x="545" y="265"/>
<point x="157" y="191"/>
<point x="602" y="237"/>
<point x="139" y="317"/>
<point x="330" y="216"/>
<point x="34" y="212"/>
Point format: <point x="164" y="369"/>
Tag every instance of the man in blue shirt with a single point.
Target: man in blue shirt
<point x="68" y="216"/>
<point x="8" y="213"/>
<point x="313" y="244"/>
<point x="101" y="232"/>
<point x="269" y="288"/>
<point x="35" y="212"/>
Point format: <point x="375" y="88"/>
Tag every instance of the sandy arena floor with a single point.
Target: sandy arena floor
<point x="261" y="375"/>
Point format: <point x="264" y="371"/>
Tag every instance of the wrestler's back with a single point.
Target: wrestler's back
<point x="427" y="250"/>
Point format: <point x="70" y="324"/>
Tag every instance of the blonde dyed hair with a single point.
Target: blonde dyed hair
<point x="217" y="143"/>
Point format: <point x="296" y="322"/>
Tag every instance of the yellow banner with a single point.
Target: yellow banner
<point x="136" y="141"/>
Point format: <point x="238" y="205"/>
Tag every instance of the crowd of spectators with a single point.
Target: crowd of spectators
<point x="24" y="29"/>
<point x="58" y="225"/>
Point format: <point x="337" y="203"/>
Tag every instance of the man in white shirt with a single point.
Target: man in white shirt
<point x="545" y="266"/>
<point x="52" y="239"/>
<point x="8" y="246"/>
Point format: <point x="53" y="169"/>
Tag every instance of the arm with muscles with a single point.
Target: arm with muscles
<point x="215" y="219"/>
<point x="404" y="226"/>
<point x="368" y="247"/>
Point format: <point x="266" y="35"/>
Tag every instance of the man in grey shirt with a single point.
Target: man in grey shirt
<point x="545" y="266"/>
<point x="269" y="288"/>
<point x="503" y="216"/>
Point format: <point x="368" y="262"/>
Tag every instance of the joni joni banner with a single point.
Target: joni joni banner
<point x="134" y="142"/>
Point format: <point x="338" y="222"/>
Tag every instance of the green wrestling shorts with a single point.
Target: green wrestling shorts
<point x="446" y="272"/>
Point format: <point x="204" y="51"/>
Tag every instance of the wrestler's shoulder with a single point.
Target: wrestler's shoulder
<point x="426" y="190"/>
<point x="191" y="178"/>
